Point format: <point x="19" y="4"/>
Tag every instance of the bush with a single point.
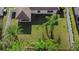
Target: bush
<point x="16" y="46"/>
<point x="40" y="45"/>
<point x="51" y="45"/>
<point x="76" y="46"/>
<point x="10" y="38"/>
<point x="48" y="44"/>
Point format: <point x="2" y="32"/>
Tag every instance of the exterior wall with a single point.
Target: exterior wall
<point x="43" y="11"/>
<point x="23" y="15"/>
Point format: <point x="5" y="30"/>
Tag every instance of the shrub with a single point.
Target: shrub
<point x="48" y="44"/>
<point x="40" y="45"/>
<point x="16" y="46"/>
<point x="76" y="46"/>
<point x="10" y="38"/>
<point x="51" y="45"/>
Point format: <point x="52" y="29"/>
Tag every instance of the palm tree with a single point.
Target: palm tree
<point x="52" y="21"/>
<point x="10" y="36"/>
<point x="10" y="32"/>
<point x="5" y="33"/>
<point x="52" y="24"/>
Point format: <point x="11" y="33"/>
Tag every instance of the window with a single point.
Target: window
<point x="24" y="20"/>
<point x="38" y="11"/>
<point x="78" y="19"/>
<point x="50" y="11"/>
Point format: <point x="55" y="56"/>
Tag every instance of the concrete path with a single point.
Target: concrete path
<point x="69" y="28"/>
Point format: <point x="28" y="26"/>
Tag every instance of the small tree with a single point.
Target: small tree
<point x="51" y="22"/>
<point x="10" y="36"/>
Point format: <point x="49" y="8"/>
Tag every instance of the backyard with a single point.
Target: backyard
<point x="37" y="31"/>
<point x="60" y="31"/>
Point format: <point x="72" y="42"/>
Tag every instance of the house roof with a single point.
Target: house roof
<point x="1" y="11"/>
<point x="25" y="10"/>
<point x="44" y="8"/>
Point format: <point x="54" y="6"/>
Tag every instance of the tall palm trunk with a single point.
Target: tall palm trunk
<point x="51" y="31"/>
<point x="51" y="34"/>
<point x="9" y="15"/>
<point x="8" y="22"/>
<point x="47" y="31"/>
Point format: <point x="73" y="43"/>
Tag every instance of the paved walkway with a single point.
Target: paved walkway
<point x="69" y="28"/>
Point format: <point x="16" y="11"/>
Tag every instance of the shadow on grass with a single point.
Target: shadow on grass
<point x="35" y="20"/>
<point x="39" y="19"/>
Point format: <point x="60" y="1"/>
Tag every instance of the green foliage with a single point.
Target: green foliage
<point x="10" y="38"/>
<point x="51" y="45"/>
<point x="48" y="44"/>
<point x="52" y="22"/>
<point x="16" y="46"/>
<point x="52" y="19"/>
<point x="40" y="45"/>
<point x="76" y="46"/>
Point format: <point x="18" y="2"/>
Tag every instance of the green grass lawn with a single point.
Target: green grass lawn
<point x="60" y="31"/>
<point x="63" y="34"/>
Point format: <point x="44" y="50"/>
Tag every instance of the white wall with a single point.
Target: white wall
<point x="43" y="12"/>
